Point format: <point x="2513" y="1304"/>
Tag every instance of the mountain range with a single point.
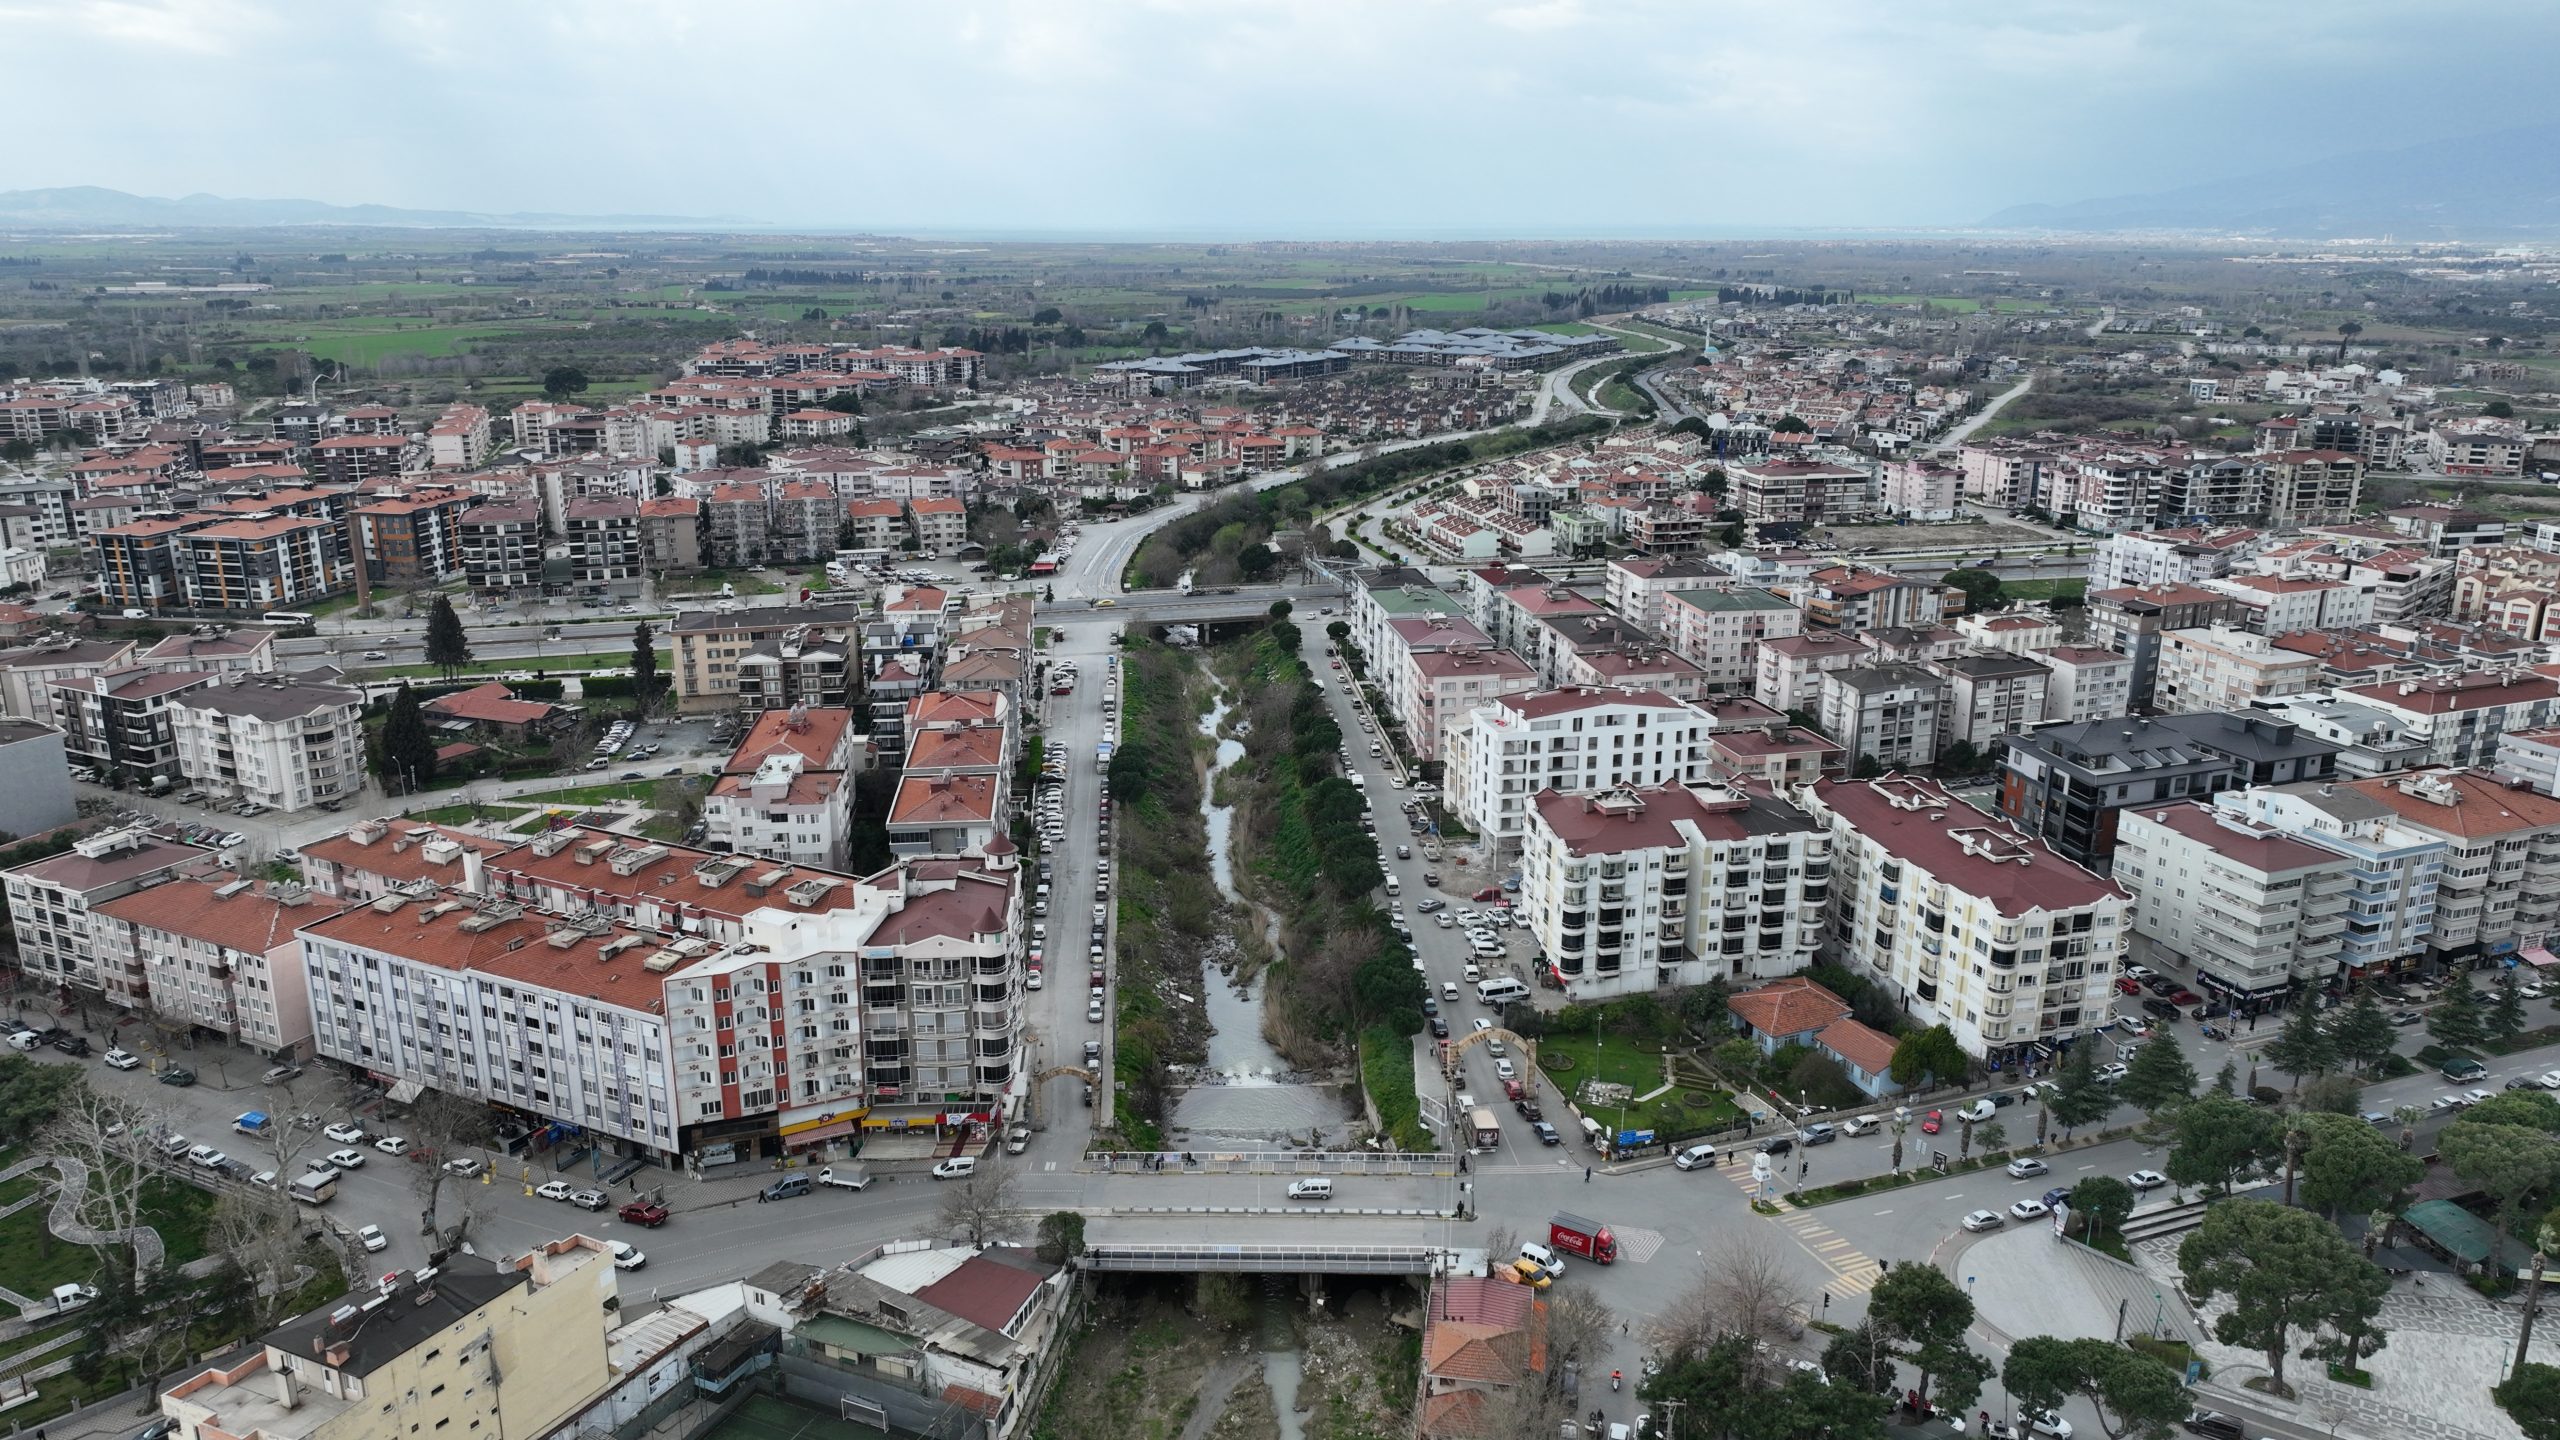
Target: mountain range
<point x="82" y="207"/>
<point x="2475" y="187"/>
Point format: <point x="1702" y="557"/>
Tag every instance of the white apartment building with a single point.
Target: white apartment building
<point x="220" y="954"/>
<point x="2281" y="604"/>
<point x="1976" y="926"/>
<point x="1636" y="585"/>
<point x="2085" y="682"/>
<point x="2499" y="889"/>
<point x="1987" y="696"/>
<point x="51" y="905"/>
<point x="1789" y="670"/>
<point x="2461" y="717"/>
<point x="1891" y="714"/>
<point x="1433" y="688"/>
<point x="2219" y="668"/>
<point x="2019" y="632"/>
<point x="2531" y="758"/>
<point x="1721" y="631"/>
<point x="2256" y="911"/>
<point x="2169" y="557"/>
<point x="2392" y="882"/>
<point x="1501" y="754"/>
<point x="1634" y="891"/>
<point x="283" y="744"/>
<point x="782" y="810"/>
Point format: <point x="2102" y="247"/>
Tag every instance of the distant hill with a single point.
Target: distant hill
<point x="90" y="207"/>
<point x="2506" y="183"/>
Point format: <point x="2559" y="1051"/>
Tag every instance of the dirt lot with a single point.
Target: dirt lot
<point x="1360" y="1368"/>
<point x="1145" y="1365"/>
<point x="1940" y="537"/>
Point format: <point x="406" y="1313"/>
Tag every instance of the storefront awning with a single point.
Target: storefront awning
<point x="2538" y="957"/>
<point x="405" y="1091"/>
<point x="816" y="1134"/>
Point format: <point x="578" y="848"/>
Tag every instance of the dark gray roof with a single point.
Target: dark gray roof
<point x="268" y="700"/>
<point x="383" y="1329"/>
<point x="2168" y="741"/>
<point x="1884" y="677"/>
<point x="1992" y="667"/>
<point x="14" y="731"/>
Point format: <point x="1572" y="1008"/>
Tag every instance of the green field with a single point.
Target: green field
<point x="368" y="342"/>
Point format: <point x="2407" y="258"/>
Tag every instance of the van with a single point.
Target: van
<point x="787" y="1188"/>
<point x="1544" y="1258"/>
<point x="1394" y="886"/>
<point x="1857" y="1125"/>
<point x="1501" y="990"/>
<point x="957" y="1167"/>
<point x="1314" y="1187"/>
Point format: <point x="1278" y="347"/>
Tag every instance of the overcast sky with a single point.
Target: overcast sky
<point x="1282" y="118"/>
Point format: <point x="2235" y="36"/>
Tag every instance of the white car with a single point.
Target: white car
<point x="392" y="1145"/>
<point x="625" y="1256"/>
<point x="2111" y="1074"/>
<point x="2146" y="1180"/>
<point x="1978" y="1111"/>
<point x="2029" y="1210"/>
<point x="123" y="1060"/>
<point x="372" y="1238"/>
<point x="1983" y="1220"/>
<point x="206" y="1156"/>
<point x="1505" y="1070"/>
<point x="2025" y="1166"/>
<point x="346" y="1159"/>
<point x="554" y="1189"/>
<point x="345" y="1134"/>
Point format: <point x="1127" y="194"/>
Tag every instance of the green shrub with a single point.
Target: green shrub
<point x="1386" y="1072"/>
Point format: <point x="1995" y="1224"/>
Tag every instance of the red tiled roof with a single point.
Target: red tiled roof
<point x="252" y="922"/>
<point x="1788" y="1007"/>
<point x="1867" y="1048"/>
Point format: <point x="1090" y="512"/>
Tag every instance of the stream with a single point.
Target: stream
<point x="1247" y="1095"/>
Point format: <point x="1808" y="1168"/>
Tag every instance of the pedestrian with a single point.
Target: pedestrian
<point x="1586" y="1174"/>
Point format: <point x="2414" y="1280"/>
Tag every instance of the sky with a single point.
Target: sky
<point x="1254" y="119"/>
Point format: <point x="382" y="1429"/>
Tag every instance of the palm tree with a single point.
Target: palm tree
<point x="2347" y="332"/>
<point x="1900" y="1125"/>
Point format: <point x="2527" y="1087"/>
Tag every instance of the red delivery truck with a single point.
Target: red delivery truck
<point x="1589" y="1239"/>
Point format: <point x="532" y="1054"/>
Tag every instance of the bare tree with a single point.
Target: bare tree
<point x="442" y="1126"/>
<point x="1744" y="1290"/>
<point x="983" y="1208"/>
<point x="261" y="1239"/>
<point x="1578" y="1324"/>
<point x="107" y="1140"/>
<point x="285" y="1138"/>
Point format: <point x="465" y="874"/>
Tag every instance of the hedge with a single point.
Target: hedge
<point x="1386" y="1072"/>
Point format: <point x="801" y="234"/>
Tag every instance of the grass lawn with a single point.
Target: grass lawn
<point x="2043" y="589"/>
<point x="747" y="582"/>
<point x="1956" y="303"/>
<point x="1637" y="1066"/>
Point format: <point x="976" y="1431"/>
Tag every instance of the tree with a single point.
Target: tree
<point x="1061" y="1237"/>
<point x="2457" y="1022"/>
<point x="2083" y="1100"/>
<point x="2103" y="1201"/>
<point x="445" y="1126"/>
<point x="2498" y="410"/>
<point x="2505" y="1019"/>
<point x="2347" y="332"/>
<point x="1280" y="609"/>
<point x="2286" y="1272"/>
<point x="2361" y="1033"/>
<point x="1746" y="1289"/>
<point x="562" y="381"/>
<point x="1859" y="1358"/>
<point x="2531" y="1398"/>
<point x="2158" y="1077"/>
<point x="1578" y="1321"/>
<point x="448" y="648"/>
<point x="2510" y="1163"/>
<point x="407" y="755"/>
<point x="2226" y="1081"/>
<point x="2135" y="1395"/>
<point x="1961" y="758"/>
<point x="2532" y="1109"/>
<point x="1982" y="589"/>
<point x="981" y="1209"/>
<point x="1933" y="1053"/>
<point x="2349" y="1166"/>
<point x="2302" y="1048"/>
<point x="2217" y="1137"/>
<point x="2333" y="1094"/>
<point x="1924" y="1316"/>
<point x="644" y="666"/>
<point x="1337" y="631"/>
<point x="32" y="1094"/>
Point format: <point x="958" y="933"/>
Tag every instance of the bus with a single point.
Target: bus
<point x="291" y="622"/>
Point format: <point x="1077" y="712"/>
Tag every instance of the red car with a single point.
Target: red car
<point x="1929" y="1123"/>
<point x="2186" y="997"/>
<point x="2126" y="986"/>
<point x="1490" y="892"/>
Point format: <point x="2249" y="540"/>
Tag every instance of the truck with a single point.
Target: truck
<point x="316" y="1188"/>
<point x="254" y="1122"/>
<point x="1589" y="1239"/>
<point x="1102" y="756"/>
<point x="1486" y="1130"/>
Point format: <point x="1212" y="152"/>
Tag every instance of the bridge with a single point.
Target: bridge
<point x="1304" y="1259"/>
<point x="1171" y="607"/>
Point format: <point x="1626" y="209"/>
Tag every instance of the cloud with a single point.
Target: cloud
<point x="1286" y="117"/>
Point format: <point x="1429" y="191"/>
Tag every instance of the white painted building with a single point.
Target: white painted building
<point x="1500" y="754"/>
<point x="2255" y="911"/>
<point x="2085" y="682"/>
<point x="285" y="745"/>
<point x="220" y="954"/>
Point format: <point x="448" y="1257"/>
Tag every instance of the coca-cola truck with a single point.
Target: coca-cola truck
<point x="1589" y="1239"/>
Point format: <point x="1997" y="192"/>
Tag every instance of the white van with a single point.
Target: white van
<point x="1394" y="886"/>
<point x="957" y="1167"/>
<point x="1449" y="991"/>
<point x="1857" y="1125"/>
<point x="1544" y="1258"/>
<point x="1501" y="990"/>
<point x="1314" y="1187"/>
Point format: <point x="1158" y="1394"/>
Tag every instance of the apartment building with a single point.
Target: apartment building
<point x="602" y="536"/>
<point x="138" y="564"/>
<point x="459" y="438"/>
<point x="2255" y="911"/>
<point x="1801" y="492"/>
<point x="2530" y="758"/>
<point x="786" y="791"/>
<point x="671" y="534"/>
<point x="29" y="673"/>
<point x="2274" y="605"/>
<point x="355" y="459"/>
<point x="1435" y="687"/>
<point x="2085" y="682"/>
<point x="1976" y="926"/>
<point x="2016" y="632"/>
<point x="2484" y="447"/>
<point x="217" y="954"/>
<point x="1848" y="599"/>
<point x="35" y="779"/>
<point x="2393" y="871"/>
<point x="2499" y="888"/>
<point x="1721" y="631"/>
<point x="1789" y="670"/>
<point x="1501" y="753"/>
<point x="285" y="744"/>
<point x="429" y="1348"/>
<point x="1988" y="696"/>
<point x="2131" y="622"/>
<point x="2310" y="487"/>
<point x="2186" y="556"/>
<point x="2460" y="717"/>
<point x="1639" y="890"/>
<point x="502" y="546"/>
<point x="282" y="563"/>
<point x="941" y="523"/>
<point x="123" y="722"/>
<point x="790" y="655"/>
<point x="209" y="648"/>
<point x="1888" y="714"/>
<point x="52" y="904"/>
<point x="2220" y="668"/>
<point x="414" y="539"/>
<point x="2069" y="784"/>
<point x="1636" y="585"/>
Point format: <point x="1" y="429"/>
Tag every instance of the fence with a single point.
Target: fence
<point x="1274" y="1162"/>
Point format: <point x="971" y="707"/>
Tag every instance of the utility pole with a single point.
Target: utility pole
<point x="1671" y="1418"/>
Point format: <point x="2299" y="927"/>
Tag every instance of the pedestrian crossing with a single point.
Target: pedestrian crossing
<point x="1853" y="1272"/>
<point x="1635" y="1244"/>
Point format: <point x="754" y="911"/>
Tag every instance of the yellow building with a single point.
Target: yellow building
<point x="435" y="1355"/>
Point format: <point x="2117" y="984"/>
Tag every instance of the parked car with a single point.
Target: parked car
<point x="589" y="1199"/>
<point x="120" y="1059"/>
<point x="345" y="1134"/>
<point x="178" y="1075"/>
<point x="346" y="1159"/>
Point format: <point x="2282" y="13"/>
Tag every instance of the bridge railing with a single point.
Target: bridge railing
<point x="1283" y="1259"/>
<point x="1272" y="1162"/>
